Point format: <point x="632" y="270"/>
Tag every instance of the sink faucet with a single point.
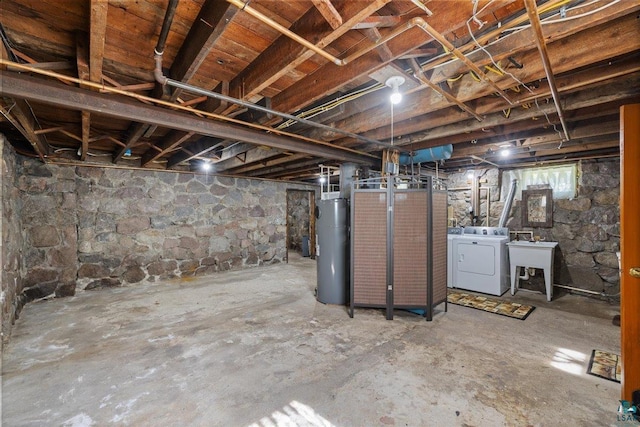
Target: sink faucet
<point x="519" y="233"/>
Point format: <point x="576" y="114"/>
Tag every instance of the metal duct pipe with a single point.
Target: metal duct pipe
<point x="164" y="80"/>
<point x="475" y="199"/>
<point x="507" y="204"/>
<point x="347" y="176"/>
<point x="432" y="154"/>
<point x="166" y="26"/>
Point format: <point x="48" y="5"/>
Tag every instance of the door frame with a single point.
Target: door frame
<point x="312" y="221"/>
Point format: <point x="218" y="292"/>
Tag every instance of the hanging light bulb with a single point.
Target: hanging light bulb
<point x="394" y="82"/>
<point x="396" y="97"/>
<point x="206" y="166"/>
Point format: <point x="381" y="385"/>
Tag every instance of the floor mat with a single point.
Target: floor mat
<point x="491" y="305"/>
<point x="605" y="365"/>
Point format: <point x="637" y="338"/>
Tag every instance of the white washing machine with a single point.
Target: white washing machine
<point x="480" y="260"/>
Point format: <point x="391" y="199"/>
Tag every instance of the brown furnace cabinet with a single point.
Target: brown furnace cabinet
<point x="398" y="245"/>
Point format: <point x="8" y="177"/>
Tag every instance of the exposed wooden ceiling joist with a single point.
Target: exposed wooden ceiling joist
<point x="67" y="97"/>
<point x="592" y="58"/>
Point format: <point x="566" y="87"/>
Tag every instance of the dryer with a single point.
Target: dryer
<point x="480" y="260"/>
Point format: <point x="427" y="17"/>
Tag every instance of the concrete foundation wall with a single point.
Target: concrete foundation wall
<point x="82" y="228"/>
<point x="587" y="228"/>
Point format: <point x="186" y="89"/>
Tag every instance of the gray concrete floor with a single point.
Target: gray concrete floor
<point x="254" y="348"/>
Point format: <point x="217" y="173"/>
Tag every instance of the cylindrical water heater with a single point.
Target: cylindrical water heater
<point x="332" y="244"/>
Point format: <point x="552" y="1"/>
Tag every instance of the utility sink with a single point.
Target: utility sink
<point x="527" y="244"/>
<point x="535" y="255"/>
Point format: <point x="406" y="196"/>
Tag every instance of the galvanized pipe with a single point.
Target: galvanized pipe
<point x="164" y="80"/>
<point x="166" y="26"/>
<point x="507" y="204"/>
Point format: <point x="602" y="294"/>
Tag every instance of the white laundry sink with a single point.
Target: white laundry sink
<point x="535" y="255"/>
<point x="527" y="244"/>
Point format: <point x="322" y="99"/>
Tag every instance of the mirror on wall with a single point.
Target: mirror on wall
<point x="537" y="208"/>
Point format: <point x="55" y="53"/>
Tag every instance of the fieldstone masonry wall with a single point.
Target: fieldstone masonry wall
<point x="587" y="228"/>
<point x="12" y="241"/>
<point x="297" y="218"/>
<point x="88" y="228"/>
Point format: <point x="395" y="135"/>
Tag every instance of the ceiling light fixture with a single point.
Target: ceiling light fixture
<point x="504" y="152"/>
<point x="206" y="166"/>
<point x="394" y="82"/>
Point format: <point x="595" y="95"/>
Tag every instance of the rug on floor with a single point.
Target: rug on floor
<point x="491" y="305"/>
<point x="605" y="365"/>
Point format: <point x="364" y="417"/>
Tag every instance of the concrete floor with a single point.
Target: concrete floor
<point x="254" y="348"/>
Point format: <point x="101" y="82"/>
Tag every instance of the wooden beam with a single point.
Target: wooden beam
<point x="329" y="12"/>
<point x="51" y="93"/>
<point x="312" y="88"/>
<point x="276" y="159"/>
<point x="132" y="136"/>
<point x="378" y="21"/>
<point x="580" y="53"/>
<point x="373" y="34"/>
<point x="206" y="30"/>
<point x="276" y="170"/>
<point x="82" y="61"/>
<point x="419" y="74"/>
<point x="520" y="41"/>
<point x="194" y="150"/>
<point x="284" y="55"/>
<point x="170" y="142"/>
<point x="20" y="114"/>
<point x="253" y="155"/>
<point x="532" y="11"/>
<point x="419" y="53"/>
<point x="53" y="66"/>
<point x="607" y="93"/>
<point x="97" y="31"/>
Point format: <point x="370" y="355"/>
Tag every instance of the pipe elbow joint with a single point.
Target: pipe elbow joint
<point x="157" y="72"/>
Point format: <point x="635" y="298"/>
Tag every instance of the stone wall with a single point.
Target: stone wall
<point x="587" y="228"/>
<point x="297" y="218"/>
<point x="88" y="228"/>
<point x="12" y="241"/>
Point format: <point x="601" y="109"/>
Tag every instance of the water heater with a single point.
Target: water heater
<point x="332" y="245"/>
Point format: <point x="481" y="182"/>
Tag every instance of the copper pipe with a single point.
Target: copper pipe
<point x="415" y="22"/>
<point x="283" y="30"/>
<point x="422" y="7"/>
<point x="532" y="11"/>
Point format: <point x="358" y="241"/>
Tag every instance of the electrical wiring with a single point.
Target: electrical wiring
<point x="552" y="124"/>
<point x="498" y="70"/>
<point x="542" y="10"/>
<point x="482" y="48"/>
<point x="549" y="20"/>
<point x="334" y="103"/>
<point x="455" y="79"/>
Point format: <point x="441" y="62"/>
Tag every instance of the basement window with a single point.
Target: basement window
<point x="562" y="179"/>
